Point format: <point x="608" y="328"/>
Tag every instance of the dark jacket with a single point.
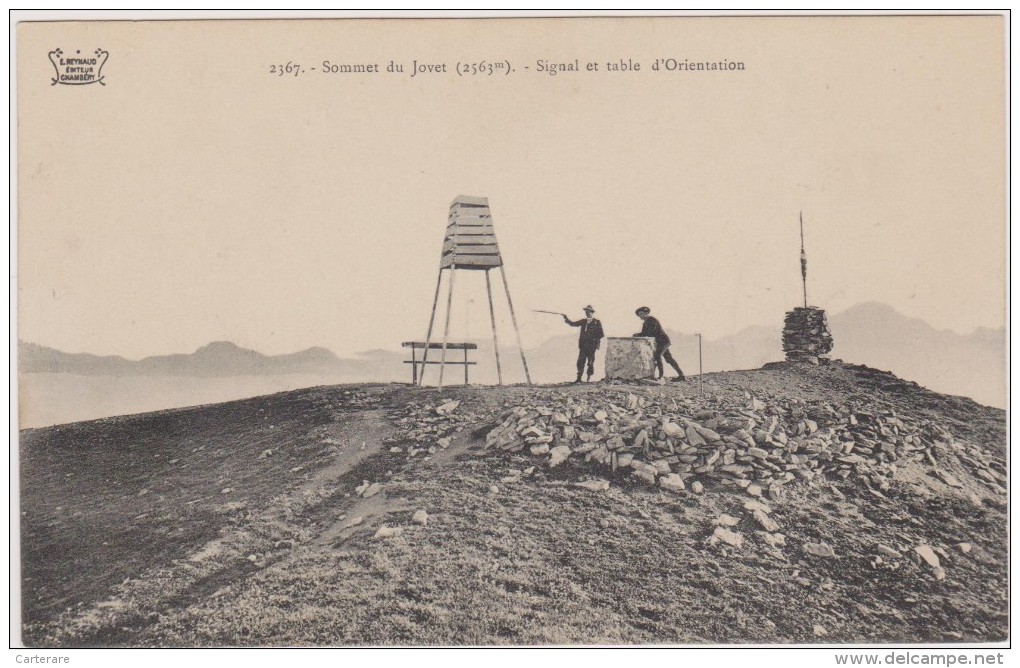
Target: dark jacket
<point x="653" y="329"/>
<point x="591" y="333"/>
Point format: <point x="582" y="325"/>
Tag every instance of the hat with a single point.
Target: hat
<point x="643" y="309"/>
<point x="589" y="307"/>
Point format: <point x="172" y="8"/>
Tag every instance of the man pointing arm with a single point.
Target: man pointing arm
<point x="588" y="342"/>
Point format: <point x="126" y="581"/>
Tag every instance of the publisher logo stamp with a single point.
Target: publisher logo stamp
<point x="78" y="69"/>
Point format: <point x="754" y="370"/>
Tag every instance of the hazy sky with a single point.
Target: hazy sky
<point x="196" y="197"/>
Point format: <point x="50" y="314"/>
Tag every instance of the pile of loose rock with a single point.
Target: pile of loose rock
<point x="428" y="427"/>
<point x="359" y="399"/>
<point x="755" y="445"/>
<point x="806" y="335"/>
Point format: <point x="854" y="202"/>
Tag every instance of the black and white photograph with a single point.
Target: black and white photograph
<point x="494" y="331"/>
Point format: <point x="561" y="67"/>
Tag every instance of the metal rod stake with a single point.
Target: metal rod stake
<point x="701" y="379"/>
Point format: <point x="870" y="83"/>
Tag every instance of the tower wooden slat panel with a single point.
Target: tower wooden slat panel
<point x="470" y="243"/>
<point x="470" y="216"/>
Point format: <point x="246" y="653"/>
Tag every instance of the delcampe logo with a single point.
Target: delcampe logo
<point x="78" y="69"/>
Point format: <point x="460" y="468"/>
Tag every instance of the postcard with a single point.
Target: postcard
<point x="512" y="331"/>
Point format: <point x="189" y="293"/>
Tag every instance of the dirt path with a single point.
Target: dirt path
<point x="202" y="507"/>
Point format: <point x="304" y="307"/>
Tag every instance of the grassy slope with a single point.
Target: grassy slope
<point x="273" y="562"/>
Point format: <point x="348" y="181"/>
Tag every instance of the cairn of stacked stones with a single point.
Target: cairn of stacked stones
<point x="806" y="335"/>
<point x="758" y="445"/>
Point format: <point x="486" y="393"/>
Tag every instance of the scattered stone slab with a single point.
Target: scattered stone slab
<point x="948" y="478"/>
<point x="672" y="482"/>
<point x="727" y="520"/>
<point x="724" y="535"/>
<point x="353" y="522"/>
<point x="388" y="532"/>
<point x="927" y="554"/>
<point x="595" y="485"/>
<point x="448" y="407"/>
<point x="420" y="517"/>
<point x="643" y="473"/>
<point x="371" y="490"/>
<point x="887" y="551"/>
<point x="819" y="550"/>
<point x="753" y="506"/>
<point x="559" y="454"/>
<point x="673" y="430"/>
<point x="765" y="521"/>
<point x="540" y="449"/>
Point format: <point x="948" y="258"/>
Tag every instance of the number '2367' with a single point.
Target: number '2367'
<point x="290" y="68"/>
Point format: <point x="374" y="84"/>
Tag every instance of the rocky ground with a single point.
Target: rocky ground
<point x="792" y="504"/>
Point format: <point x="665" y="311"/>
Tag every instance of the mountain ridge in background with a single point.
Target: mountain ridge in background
<point x="871" y="333"/>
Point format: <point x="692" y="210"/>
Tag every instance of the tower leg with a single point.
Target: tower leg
<point x="446" y="330"/>
<point x="513" y="317"/>
<point x="428" y="336"/>
<point x="495" y="337"/>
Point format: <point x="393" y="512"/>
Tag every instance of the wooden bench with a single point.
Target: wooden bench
<point x="420" y="345"/>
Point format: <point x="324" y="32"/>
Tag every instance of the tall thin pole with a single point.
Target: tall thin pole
<point x="446" y="330"/>
<point x="803" y="259"/>
<point x="701" y="379"/>
<point x="495" y="337"/>
<point x="513" y="317"/>
<point x="428" y="336"/>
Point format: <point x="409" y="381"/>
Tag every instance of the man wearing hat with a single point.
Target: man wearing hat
<point x="652" y="328"/>
<point x="589" y="341"/>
